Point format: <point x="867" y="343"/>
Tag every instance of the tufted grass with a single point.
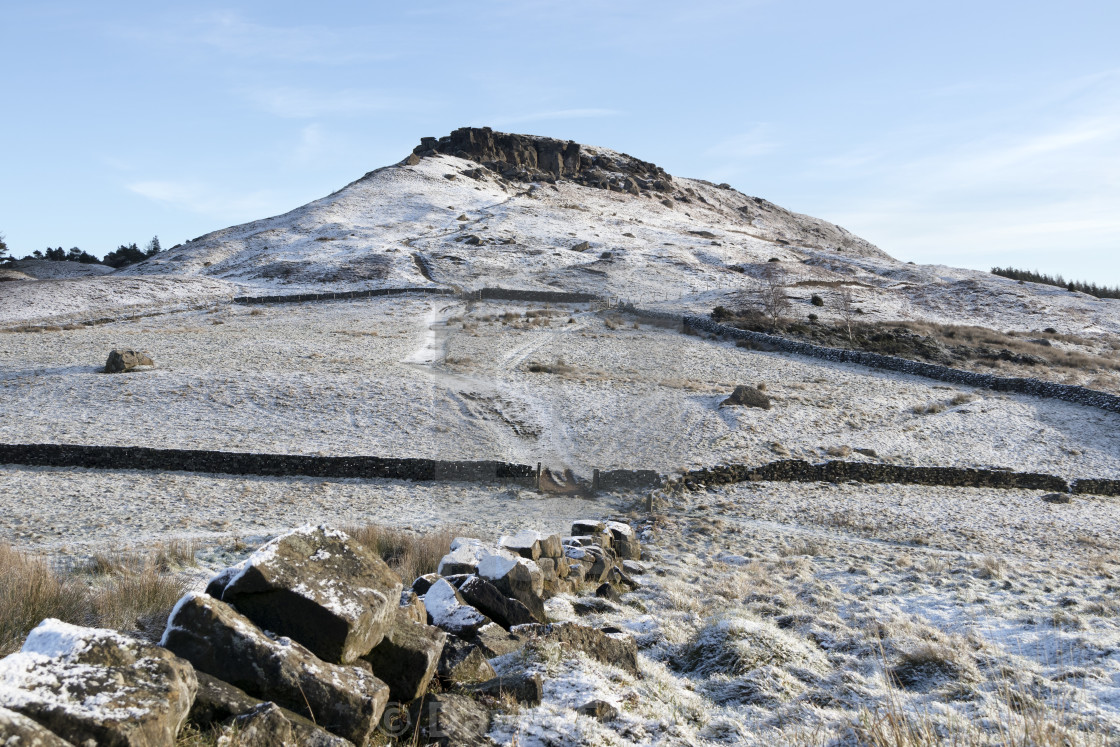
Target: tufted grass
<point x="410" y="554"/>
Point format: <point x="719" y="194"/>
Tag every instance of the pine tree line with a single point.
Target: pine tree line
<point x="1100" y="291"/>
<point x="125" y="254"/>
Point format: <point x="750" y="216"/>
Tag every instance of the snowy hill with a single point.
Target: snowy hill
<point x="479" y="208"/>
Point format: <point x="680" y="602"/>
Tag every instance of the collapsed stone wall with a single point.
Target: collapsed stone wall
<point x="513" y="294"/>
<point x="1033" y="387"/>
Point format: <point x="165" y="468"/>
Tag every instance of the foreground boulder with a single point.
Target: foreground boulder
<point x="617" y="649"/>
<point x="462" y="661"/>
<point x="122" y="361"/>
<point x="96" y="686"/>
<point x="347" y="701"/>
<point x="18" y="730"/>
<point x="320" y="588"/>
<point x="265" y="726"/>
<point x="407" y="657"/>
<point x="448" y="610"/>
<point x="463" y="557"/>
<point x="524" y="688"/>
<point x="219" y="702"/>
<point x="517" y="578"/>
<point x="487" y="599"/>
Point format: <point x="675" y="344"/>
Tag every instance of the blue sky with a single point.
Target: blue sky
<point x="970" y="134"/>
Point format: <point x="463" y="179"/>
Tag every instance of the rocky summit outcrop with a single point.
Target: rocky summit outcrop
<point x="544" y="159"/>
<point x="319" y="587"/>
<point x="96" y="686"/>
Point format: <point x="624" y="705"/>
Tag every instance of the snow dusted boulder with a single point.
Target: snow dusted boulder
<point x="525" y="688"/>
<point x="587" y="527"/>
<point x="18" y="730"/>
<point x="633" y="567"/>
<point x="265" y="726"/>
<point x="494" y="640"/>
<point x="218" y="702"/>
<point x="463" y="558"/>
<point x="616" y="649"/>
<point x="346" y="701"/>
<point x="412" y="608"/>
<point x="624" y="543"/>
<point x="485" y="597"/>
<point x="320" y="588"/>
<point x="406" y="659"/>
<point x="517" y="578"/>
<point x="96" y="686"/>
<point x="448" y="610"/>
<point x="122" y="361"/>
<point x="526" y="543"/>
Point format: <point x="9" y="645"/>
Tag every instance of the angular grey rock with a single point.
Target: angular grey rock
<point x="494" y="640"/>
<point x="526" y="543"/>
<point x="487" y="599"/>
<point x="448" y="610"/>
<point x="526" y="688"/>
<point x="462" y="661"/>
<point x="517" y="578"/>
<point x="423" y="583"/>
<point x="551" y="546"/>
<point x="587" y="527"/>
<point x="608" y="592"/>
<point x="582" y="246"/>
<point x="91" y="685"/>
<point x="346" y="701"/>
<point x="406" y="659"/>
<point x="412" y="607"/>
<point x="452" y="720"/>
<point x="320" y="588"/>
<point x="219" y="701"/>
<point x="17" y="730"/>
<point x="1057" y="498"/>
<point x="122" y="361"/>
<point x="600" y="710"/>
<point x="617" y="649"/>
<point x="633" y="567"/>
<point x="463" y="558"/>
<point x="264" y="726"/>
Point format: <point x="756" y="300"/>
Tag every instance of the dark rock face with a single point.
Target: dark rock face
<point x="89" y="685"/>
<point x="219" y="701"/>
<point x="406" y="659"/>
<point x="121" y="361"/>
<point x="747" y="396"/>
<point x="20" y="731"/>
<point x="616" y="649"/>
<point x="519" y="579"/>
<point x="462" y="661"/>
<point x="486" y="598"/>
<point x="346" y="701"/>
<point x="318" y="587"/>
<point x="533" y="158"/>
<point x="451" y="720"/>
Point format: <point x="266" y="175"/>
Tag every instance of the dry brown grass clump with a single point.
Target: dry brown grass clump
<point x="129" y="596"/>
<point x="410" y="554"/>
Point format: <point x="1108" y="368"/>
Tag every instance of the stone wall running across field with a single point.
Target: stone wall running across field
<point x="1032" y="387"/>
<point x="341" y="296"/>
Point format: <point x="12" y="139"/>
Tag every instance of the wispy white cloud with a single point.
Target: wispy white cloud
<point x="197" y="197"/>
<point x="757" y="141"/>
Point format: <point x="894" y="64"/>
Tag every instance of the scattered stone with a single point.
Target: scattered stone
<point x="122" y="361"/>
<point x="593" y="605"/>
<point x="451" y="720"/>
<point x="1057" y="498"/>
<point x="17" y="730"/>
<point x="517" y="578"/>
<point x="606" y="591"/>
<point x="218" y="701"/>
<point x="868" y="453"/>
<point x="617" y="649"/>
<point x="600" y="710"/>
<point x="412" y="160"/>
<point x="448" y="610"/>
<point x="320" y="588"/>
<point x="463" y="661"/>
<point x="412" y="608"/>
<point x="347" y="701"/>
<point x="494" y="640"/>
<point x="96" y="686"/>
<point x="587" y="528"/>
<point x="487" y="599"/>
<point x="526" y="688"/>
<point x="633" y="567"/>
<point x="527" y="544"/>
<point x="462" y="216"/>
<point x="747" y="396"/>
<point x="406" y="659"/>
<point x="264" y="726"/>
<point x="582" y="246"/>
